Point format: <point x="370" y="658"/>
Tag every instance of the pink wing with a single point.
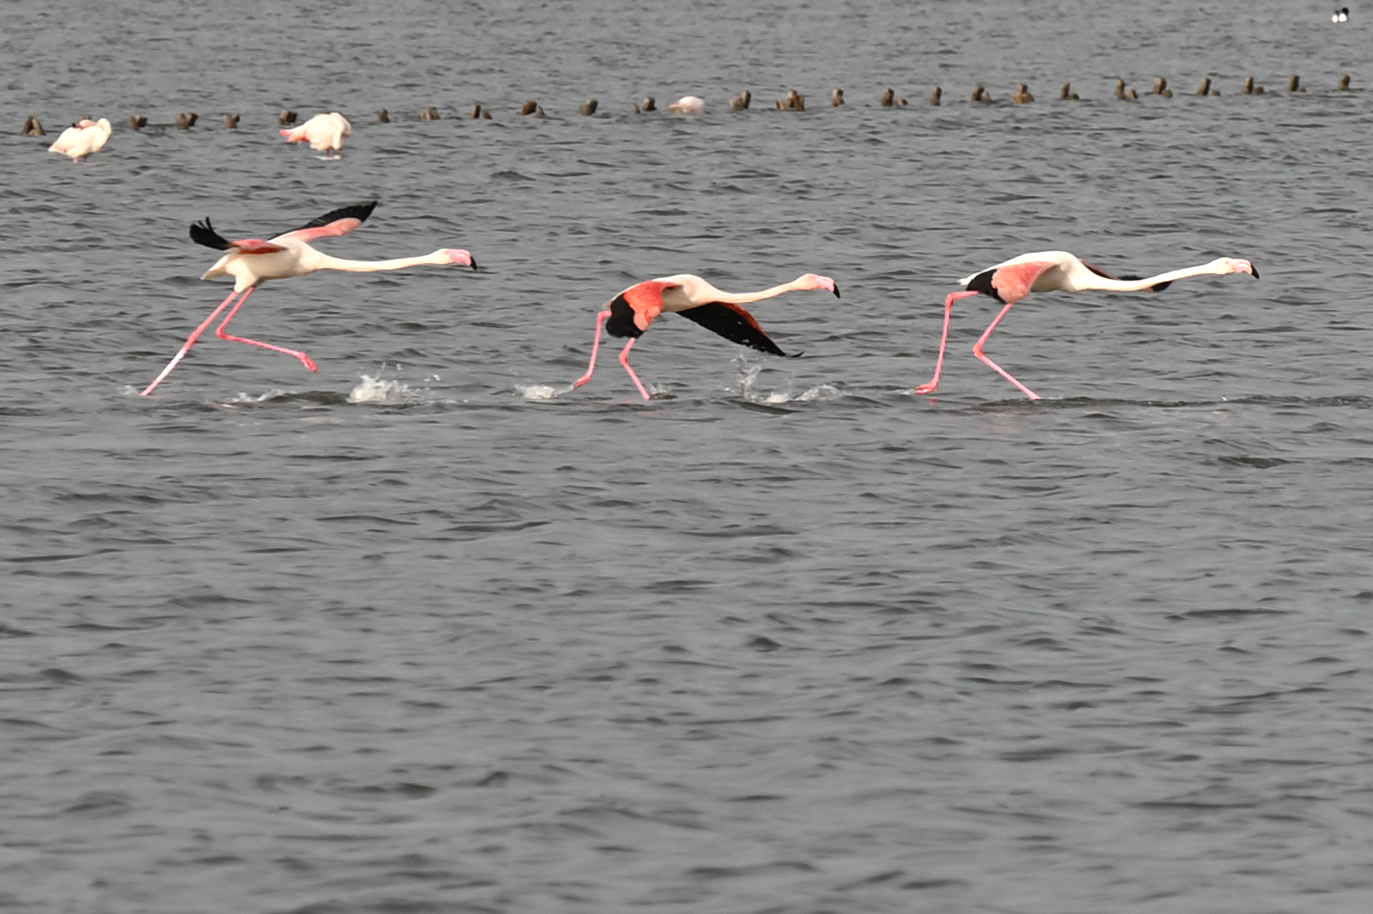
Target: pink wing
<point x="339" y="222"/>
<point x="204" y="233"/>
<point x="1013" y="282"/>
<point x="255" y="246"/>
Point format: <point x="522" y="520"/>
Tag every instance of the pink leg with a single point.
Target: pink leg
<point x="977" y="351"/>
<point x="624" y="360"/>
<point x="595" y="347"/>
<point x="933" y="384"/>
<point x="219" y="332"/>
<point x="190" y="340"/>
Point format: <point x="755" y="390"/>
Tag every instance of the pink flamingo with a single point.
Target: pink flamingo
<point x="630" y="313"/>
<point x="324" y="133"/>
<point x="252" y="262"/>
<point x="82" y="138"/>
<point x="1056" y="271"/>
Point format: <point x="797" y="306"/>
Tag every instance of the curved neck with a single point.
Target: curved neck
<point x="325" y="262"/>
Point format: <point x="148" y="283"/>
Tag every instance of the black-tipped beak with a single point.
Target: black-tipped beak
<point x="836" y="290"/>
<point x="474" y="264"/>
<point x="1254" y="270"/>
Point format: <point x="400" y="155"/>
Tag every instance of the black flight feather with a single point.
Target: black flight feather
<point x="204" y="233"/>
<point x="358" y="211"/>
<point x="733" y="324"/>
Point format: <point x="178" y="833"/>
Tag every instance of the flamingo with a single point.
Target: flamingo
<point x="1050" y="271"/>
<point x="252" y="262"/>
<point x="324" y="133"/>
<point x="82" y="138"/>
<point x="688" y="104"/>
<point x="630" y="313"/>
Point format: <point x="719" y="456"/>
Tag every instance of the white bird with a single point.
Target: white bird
<point x="1056" y="271"/>
<point x="252" y="261"/>
<point x="688" y="104"/>
<point x="324" y="132"/>
<point x="82" y="138"/>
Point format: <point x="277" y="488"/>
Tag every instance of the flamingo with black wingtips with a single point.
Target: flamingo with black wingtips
<point x="630" y="313"/>
<point x="1056" y="271"/>
<point x="252" y="261"/>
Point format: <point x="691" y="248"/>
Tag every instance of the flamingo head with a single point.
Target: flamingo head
<point x="1236" y="265"/>
<point x="815" y="281"/>
<point x="457" y="255"/>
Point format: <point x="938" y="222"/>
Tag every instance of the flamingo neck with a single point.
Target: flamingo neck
<point x="742" y="298"/>
<point x="1139" y="285"/>
<point x="325" y="262"/>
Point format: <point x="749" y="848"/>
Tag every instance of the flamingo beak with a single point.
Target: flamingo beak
<point x="824" y="282"/>
<point x="1254" y="271"/>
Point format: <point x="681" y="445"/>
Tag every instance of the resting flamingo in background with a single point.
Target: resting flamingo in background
<point x="630" y="313"/>
<point x="688" y="104"/>
<point x="1056" y="271"/>
<point x="82" y="138"/>
<point x="324" y="133"/>
<point x="252" y="262"/>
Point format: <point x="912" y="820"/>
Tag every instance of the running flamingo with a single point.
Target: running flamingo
<point x="1056" y="271"/>
<point x="82" y="138"/>
<point x="630" y="313"/>
<point x="252" y="262"/>
<point x="324" y="133"/>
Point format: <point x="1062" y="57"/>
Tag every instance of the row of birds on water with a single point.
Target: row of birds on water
<point x="326" y="132"/>
<point x="627" y="315"/>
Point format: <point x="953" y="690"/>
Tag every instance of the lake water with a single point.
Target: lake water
<point x="426" y="631"/>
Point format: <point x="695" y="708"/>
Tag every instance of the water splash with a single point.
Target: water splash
<point x="749" y="374"/>
<point x="380" y="390"/>
<point x="542" y="391"/>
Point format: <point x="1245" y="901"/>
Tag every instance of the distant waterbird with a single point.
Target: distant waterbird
<point x="82" y="139"/>
<point x="324" y="132"/>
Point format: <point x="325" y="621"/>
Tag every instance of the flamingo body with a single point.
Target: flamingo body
<point x="82" y="138"/>
<point x="1056" y="271"/>
<point x="324" y="132"/>
<point x="688" y="104"/>
<point x="630" y="313"/>
<point x="253" y="261"/>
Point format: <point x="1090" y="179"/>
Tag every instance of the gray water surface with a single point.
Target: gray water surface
<point x="427" y="632"/>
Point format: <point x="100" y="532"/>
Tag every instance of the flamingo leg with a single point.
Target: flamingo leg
<point x="977" y="351"/>
<point x="933" y="384"/>
<point x="190" y="340"/>
<point x="219" y="332"/>
<point x="595" y="347"/>
<point x="624" y="360"/>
